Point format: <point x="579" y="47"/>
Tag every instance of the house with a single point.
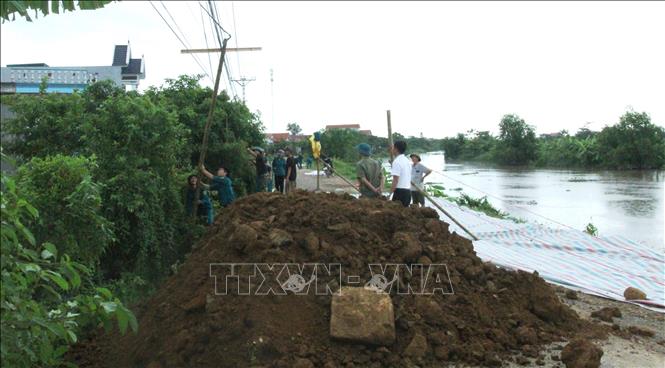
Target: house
<point x="26" y="78"/>
<point x="277" y="137"/>
<point x="343" y="126"/>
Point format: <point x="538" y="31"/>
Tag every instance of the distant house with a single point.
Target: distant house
<point x="343" y="126"/>
<point x="26" y="78"/>
<point x="277" y="137"/>
<point x="355" y="127"/>
<point x="284" y="137"/>
<point x="551" y="135"/>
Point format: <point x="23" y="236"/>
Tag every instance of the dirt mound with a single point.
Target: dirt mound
<point x="491" y="315"/>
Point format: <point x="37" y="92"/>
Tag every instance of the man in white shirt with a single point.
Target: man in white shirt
<point x="401" y="172"/>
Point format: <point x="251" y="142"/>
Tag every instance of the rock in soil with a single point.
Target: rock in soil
<point x="363" y="316"/>
<point x="581" y="353"/>
<point x="641" y="331"/>
<point x="632" y="293"/>
<point x="607" y="314"/>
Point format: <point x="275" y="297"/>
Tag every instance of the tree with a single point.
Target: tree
<point x="8" y="8"/>
<point x="633" y="143"/>
<point x="517" y="141"/>
<point x="293" y="128"/>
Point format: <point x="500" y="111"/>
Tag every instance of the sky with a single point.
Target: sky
<point x="441" y="67"/>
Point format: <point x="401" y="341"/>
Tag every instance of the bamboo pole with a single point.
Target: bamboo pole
<point x="445" y="212"/>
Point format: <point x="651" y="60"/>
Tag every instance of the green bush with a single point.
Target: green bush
<point x="46" y="298"/>
<point x="69" y="201"/>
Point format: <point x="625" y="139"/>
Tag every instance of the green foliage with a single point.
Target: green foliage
<point x="517" y="142"/>
<point x="45" y="125"/>
<point x="144" y="145"/>
<point x="634" y="143"/>
<point x="45" y="297"/>
<point x="293" y="128"/>
<point x="139" y="145"/>
<point x="591" y="229"/>
<point x="233" y="127"/>
<point x="8" y="8"/>
<point x="69" y="201"/>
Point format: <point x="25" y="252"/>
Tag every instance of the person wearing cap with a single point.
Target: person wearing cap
<point x="369" y="173"/>
<point x="418" y="174"/>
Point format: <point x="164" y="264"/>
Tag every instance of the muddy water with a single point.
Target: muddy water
<point x="628" y="203"/>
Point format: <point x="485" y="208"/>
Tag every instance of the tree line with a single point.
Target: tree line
<point x="634" y="142"/>
<point x="104" y="171"/>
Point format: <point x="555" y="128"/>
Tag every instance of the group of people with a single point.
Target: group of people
<point x="407" y="179"/>
<point x="407" y="175"/>
<point x="282" y="172"/>
<point x="202" y="206"/>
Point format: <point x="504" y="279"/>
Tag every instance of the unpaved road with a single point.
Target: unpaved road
<point x="326" y="184"/>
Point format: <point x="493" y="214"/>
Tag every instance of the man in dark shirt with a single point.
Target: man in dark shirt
<point x="260" y="163"/>
<point x="291" y="171"/>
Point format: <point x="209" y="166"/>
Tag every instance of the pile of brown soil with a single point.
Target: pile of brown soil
<point x="492" y="315"/>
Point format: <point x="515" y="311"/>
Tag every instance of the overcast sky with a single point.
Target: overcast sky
<point x="440" y="67"/>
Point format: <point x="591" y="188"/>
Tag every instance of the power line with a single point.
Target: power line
<point x="214" y="14"/>
<point x="205" y="36"/>
<point x="179" y="39"/>
<point x="235" y="31"/>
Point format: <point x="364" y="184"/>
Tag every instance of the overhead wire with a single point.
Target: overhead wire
<point x="179" y="39"/>
<point x="235" y="32"/>
<point x="205" y="36"/>
<point x="184" y="37"/>
<point x="214" y="13"/>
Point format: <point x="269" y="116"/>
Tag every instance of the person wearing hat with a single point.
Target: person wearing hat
<point x="369" y="173"/>
<point x="418" y="174"/>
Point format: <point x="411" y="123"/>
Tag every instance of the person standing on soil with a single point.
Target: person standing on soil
<point x="369" y="173"/>
<point x="260" y="163"/>
<point x="222" y="184"/>
<point x="401" y="172"/>
<point x="418" y="174"/>
<point x="291" y="171"/>
<point x="279" y="169"/>
<point x="203" y="205"/>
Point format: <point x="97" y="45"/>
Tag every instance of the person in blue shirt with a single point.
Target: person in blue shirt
<point x="203" y="206"/>
<point x="222" y="184"/>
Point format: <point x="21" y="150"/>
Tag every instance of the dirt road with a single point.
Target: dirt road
<point x="326" y="184"/>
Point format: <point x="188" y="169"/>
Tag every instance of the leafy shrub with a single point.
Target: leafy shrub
<point x="46" y="298"/>
<point x="69" y="202"/>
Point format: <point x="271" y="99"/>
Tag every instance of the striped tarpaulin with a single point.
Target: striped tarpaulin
<point x="603" y="266"/>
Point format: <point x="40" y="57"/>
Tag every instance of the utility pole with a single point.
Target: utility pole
<point x="243" y="82"/>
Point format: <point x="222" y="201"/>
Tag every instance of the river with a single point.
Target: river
<point x="627" y="203"/>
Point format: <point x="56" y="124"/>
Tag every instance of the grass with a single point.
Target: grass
<point x="476" y="204"/>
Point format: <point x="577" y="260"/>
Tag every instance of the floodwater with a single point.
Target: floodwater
<point x="627" y="203"/>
